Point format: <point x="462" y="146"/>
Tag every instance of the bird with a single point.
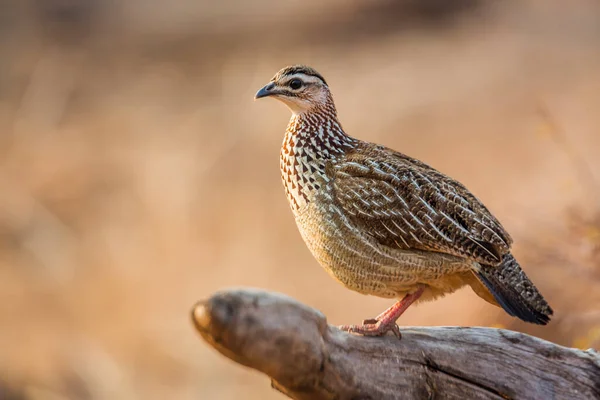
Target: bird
<point x="385" y="224"/>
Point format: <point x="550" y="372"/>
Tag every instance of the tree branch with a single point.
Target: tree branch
<point x="308" y="359"/>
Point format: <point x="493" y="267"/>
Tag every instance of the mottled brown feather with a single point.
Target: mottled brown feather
<point x="405" y="203"/>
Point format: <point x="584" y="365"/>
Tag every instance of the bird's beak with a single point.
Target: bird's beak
<point x="265" y="91"/>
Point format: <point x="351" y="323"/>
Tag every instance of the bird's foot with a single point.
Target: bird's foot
<point x="374" y="327"/>
<point x="386" y="321"/>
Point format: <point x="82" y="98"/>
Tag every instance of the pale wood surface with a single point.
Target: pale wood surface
<point x="308" y="359"/>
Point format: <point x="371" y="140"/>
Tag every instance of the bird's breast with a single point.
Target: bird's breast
<point x="302" y="174"/>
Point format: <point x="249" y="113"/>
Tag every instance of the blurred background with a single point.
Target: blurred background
<point x="137" y="174"/>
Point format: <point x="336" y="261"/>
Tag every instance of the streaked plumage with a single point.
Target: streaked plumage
<point x="385" y="224"/>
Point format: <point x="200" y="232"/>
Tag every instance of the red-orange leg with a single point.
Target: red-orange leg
<point x="386" y="321"/>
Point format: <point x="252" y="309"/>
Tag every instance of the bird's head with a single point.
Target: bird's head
<point x="299" y="87"/>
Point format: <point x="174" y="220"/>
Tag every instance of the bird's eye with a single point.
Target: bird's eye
<point x="295" y="84"/>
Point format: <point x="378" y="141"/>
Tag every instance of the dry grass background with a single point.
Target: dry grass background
<point x="138" y="176"/>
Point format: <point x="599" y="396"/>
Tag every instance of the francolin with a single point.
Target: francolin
<point x="385" y="224"/>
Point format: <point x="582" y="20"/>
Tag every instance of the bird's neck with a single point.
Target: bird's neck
<point x="312" y="139"/>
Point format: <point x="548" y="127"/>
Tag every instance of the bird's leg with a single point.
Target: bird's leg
<point x="386" y="321"/>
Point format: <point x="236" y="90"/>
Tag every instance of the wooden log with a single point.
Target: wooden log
<point x="308" y="359"/>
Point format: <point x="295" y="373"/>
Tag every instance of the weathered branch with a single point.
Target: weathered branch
<point x="308" y="359"/>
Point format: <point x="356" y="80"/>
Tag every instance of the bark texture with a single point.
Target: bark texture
<point x="308" y="359"/>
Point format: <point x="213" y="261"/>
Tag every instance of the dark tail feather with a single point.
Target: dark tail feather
<point x="514" y="292"/>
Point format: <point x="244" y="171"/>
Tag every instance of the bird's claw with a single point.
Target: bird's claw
<point x="373" y="327"/>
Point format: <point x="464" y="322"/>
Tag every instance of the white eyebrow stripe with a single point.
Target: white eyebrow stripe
<point x="302" y="76"/>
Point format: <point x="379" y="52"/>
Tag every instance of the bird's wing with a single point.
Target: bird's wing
<point x="404" y="203"/>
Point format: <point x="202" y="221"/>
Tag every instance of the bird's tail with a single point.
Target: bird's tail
<point x="514" y="292"/>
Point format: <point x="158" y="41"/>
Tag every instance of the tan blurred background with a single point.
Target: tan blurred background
<point x="137" y="174"/>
